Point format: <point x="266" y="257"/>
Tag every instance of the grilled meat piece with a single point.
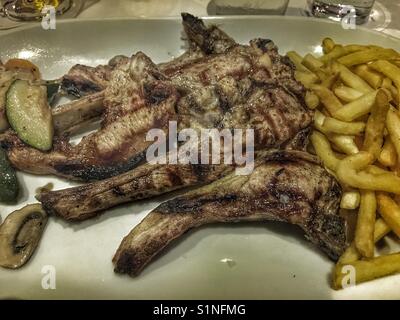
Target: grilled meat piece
<point x="214" y="92"/>
<point x="72" y="116"/>
<point x="146" y="181"/>
<point x="276" y="116"/>
<point x="267" y="99"/>
<point x="209" y="39"/>
<point x="137" y="99"/>
<point x="288" y="186"/>
<point x="83" y="80"/>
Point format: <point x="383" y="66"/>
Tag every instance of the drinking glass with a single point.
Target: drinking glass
<point x="338" y="9"/>
<point x="32" y="9"/>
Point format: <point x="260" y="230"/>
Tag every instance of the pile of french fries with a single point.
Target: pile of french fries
<point x="355" y="92"/>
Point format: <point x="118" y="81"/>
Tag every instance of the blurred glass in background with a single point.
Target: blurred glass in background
<point x="339" y="9"/>
<point x="28" y="10"/>
<point x="238" y="7"/>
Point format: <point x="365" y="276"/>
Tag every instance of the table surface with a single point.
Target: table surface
<point x="383" y="15"/>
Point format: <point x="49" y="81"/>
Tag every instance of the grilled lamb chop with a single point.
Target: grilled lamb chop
<point x="213" y="93"/>
<point x="288" y="186"/>
<point x="82" y="80"/>
<point x="138" y="98"/>
<point x="278" y="120"/>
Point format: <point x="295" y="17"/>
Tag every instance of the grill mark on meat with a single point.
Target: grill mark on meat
<point x="87" y="172"/>
<point x="264" y="195"/>
<point x="154" y="94"/>
<point x="190" y="206"/>
<point x="79" y="89"/>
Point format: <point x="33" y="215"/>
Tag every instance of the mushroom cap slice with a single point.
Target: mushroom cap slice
<point x="20" y="234"/>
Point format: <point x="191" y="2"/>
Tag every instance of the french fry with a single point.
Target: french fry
<point x="373" y="79"/>
<point x="364" y="235"/>
<point x="356" y="108"/>
<point x="296" y="59"/>
<point x="337" y="126"/>
<point x="388" y="84"/>
<point x="347" y="94"/>
<point x="357" y="88"/>
<point x="350" y="200"/>
<point x="381" y="229"/>
<point x="388" y="155"/>
<point x="319" y="119"/>
<point x="390" y="212"/>
<point x="396" y="62"/>
<point x="389" y="70"/>
<point x="307" y="79"/>
<point x="311" y="63"/>
<point x="351" y="79"/>
<point x="349" y="171"/>
<point x="327" y="45"/>
<point x="354" y="47"/>
<point x="323" y="149"/>
<point x="364" y="56"/>
<point x="393" y="126"/>
<point x="311" y="99"/>
<point x="367" y="270"/>
<point x="344" y="143"/>
<point x="376" y="124"/>
<point x="351" y="254"/>
<point x="327" y="98"/>
<point x="335" y="53"/>
<point x="376" y="170"/>
<point x="330" y="80"/>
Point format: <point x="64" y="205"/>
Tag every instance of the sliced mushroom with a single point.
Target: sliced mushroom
<point x="20" y="234"/>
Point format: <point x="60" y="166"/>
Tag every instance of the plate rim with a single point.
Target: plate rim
<point x="209" y="18"/>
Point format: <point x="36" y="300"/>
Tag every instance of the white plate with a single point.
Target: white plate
<point x="270" y="260"/>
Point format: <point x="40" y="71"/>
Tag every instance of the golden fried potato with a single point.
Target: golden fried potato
<point x="364" y="56"/>
<point x="391" y="71"/>
<point x="349" y="171"/>
<point x="364" y="236"/>
<point x="389" y="211"/>
<point x="327" y="45"/>
<point x="341" y="127"/>
<point x="373" y="78"/>
<point x="351" y="79"/>
<point x="376" y="124"/>
<point x="347" y="94"/>
<point x="388" y="155"/>
<point x="366" y="270"/>
<point x="393" y="126"/>
<point x="350" y="200"/>
<point x="356" y="108"/>
<point x="323" y="149"/>
<point x="327" y="98"/>
<point x="351" y="254"/>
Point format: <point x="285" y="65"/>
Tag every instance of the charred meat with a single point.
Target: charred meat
<point x="287" y="186"/>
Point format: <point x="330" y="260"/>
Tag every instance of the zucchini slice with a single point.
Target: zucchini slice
<point x="29" y="114"/>
<point x="9" y="187"/>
